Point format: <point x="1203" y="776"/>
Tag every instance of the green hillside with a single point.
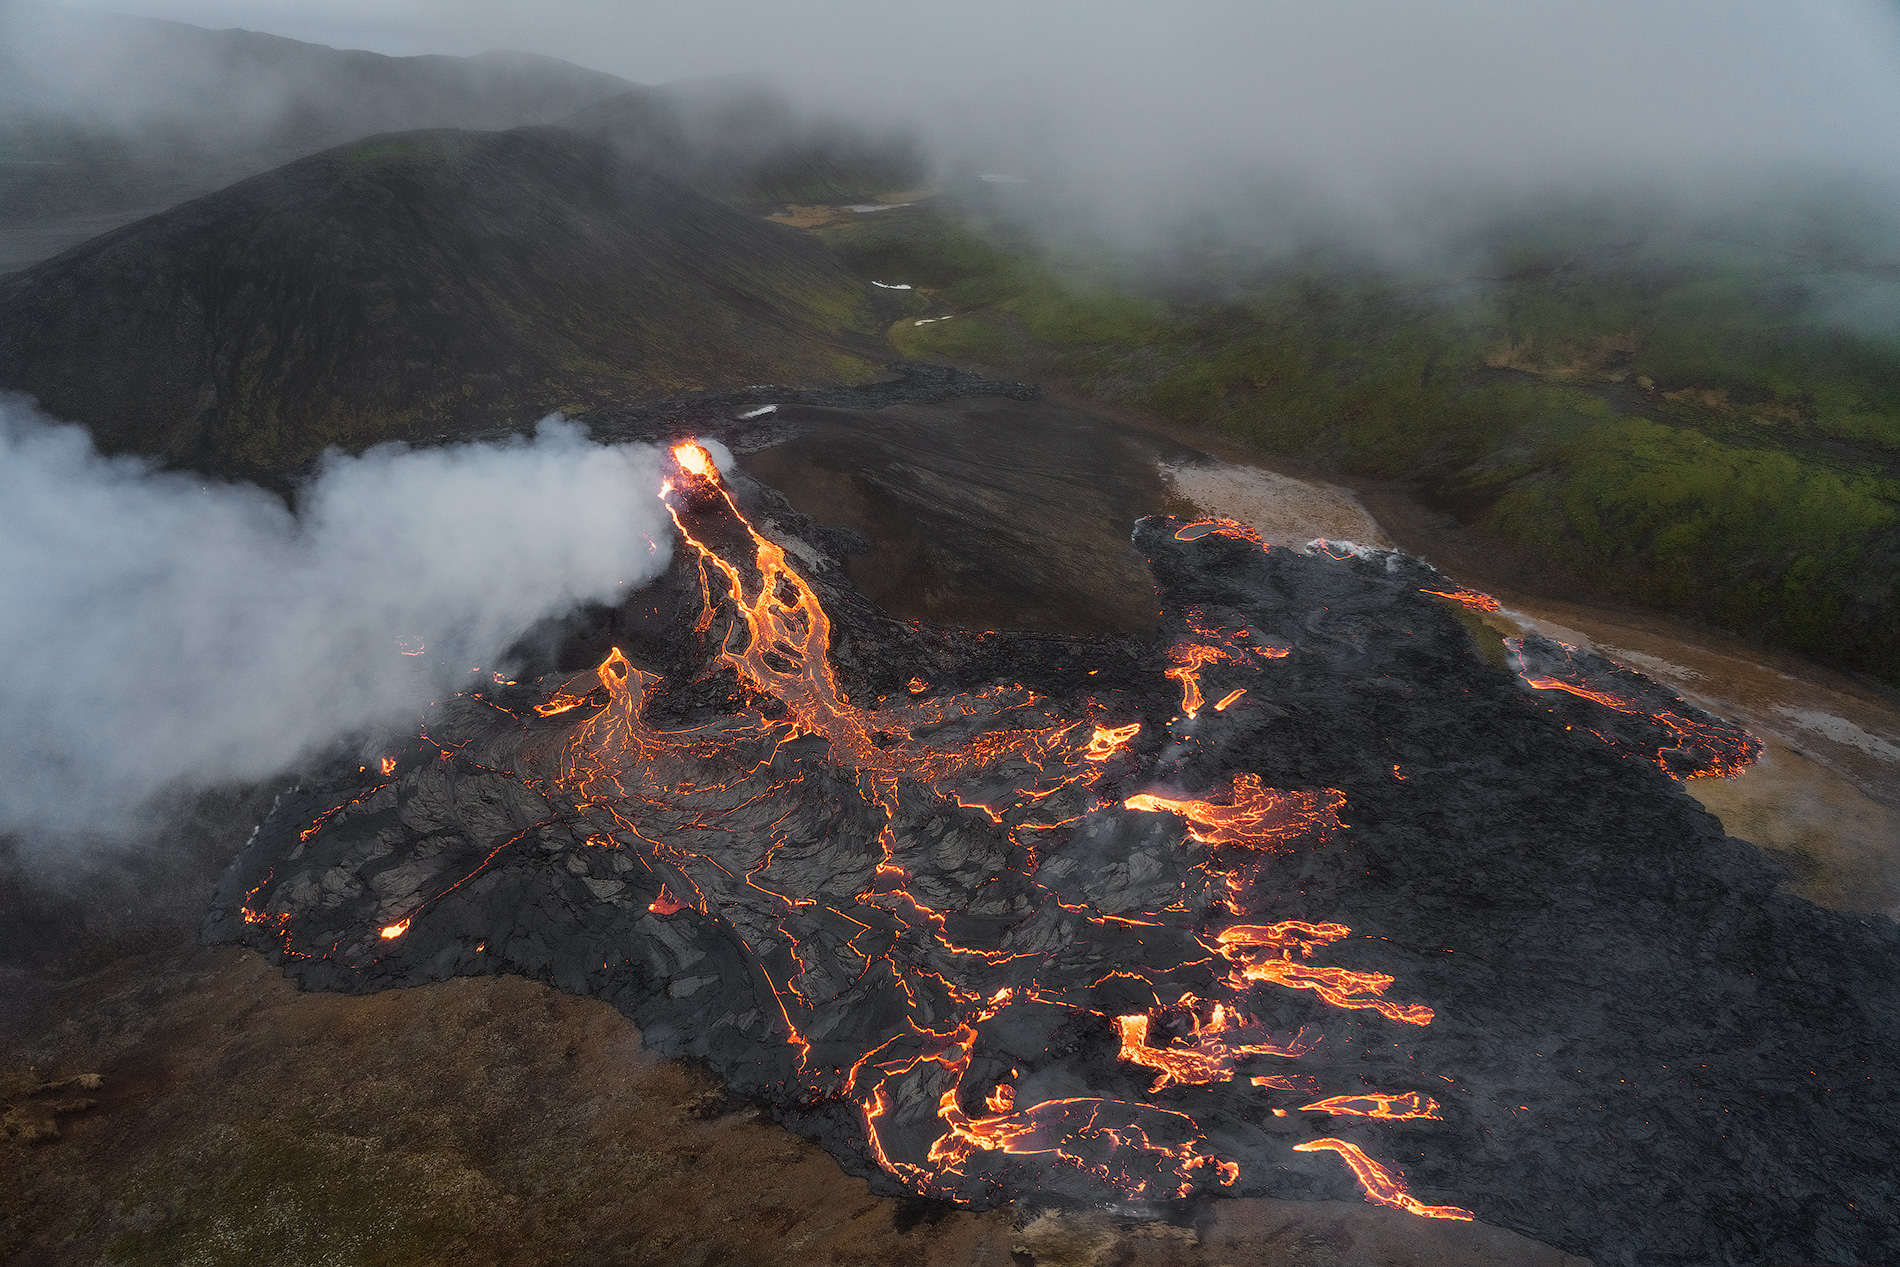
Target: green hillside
<point x="1689" y="427"/>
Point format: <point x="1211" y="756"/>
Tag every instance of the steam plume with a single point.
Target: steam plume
<point x="160" y="632"/>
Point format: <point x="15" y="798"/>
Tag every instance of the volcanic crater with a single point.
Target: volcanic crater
<point x="1301" y="896"/>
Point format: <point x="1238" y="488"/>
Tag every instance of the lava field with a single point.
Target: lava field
<point x="1305" y="897"/>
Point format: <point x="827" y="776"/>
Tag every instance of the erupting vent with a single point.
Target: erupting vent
<point x="986" y="937"/>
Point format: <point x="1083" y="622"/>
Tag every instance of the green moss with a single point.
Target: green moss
<point x="1518" y="403"/>
<point x="1755" y="540"/>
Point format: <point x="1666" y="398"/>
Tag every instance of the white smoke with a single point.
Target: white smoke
<point x="159" y="632"/>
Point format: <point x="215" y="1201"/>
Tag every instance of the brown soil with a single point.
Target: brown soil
<point x="498" y="1121"/>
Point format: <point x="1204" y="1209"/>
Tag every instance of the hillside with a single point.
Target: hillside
<point x="740" y="140"/>
<point x="1682" y="423"/>
<point x="105" y="118"/>
<point x="415" y="284"/>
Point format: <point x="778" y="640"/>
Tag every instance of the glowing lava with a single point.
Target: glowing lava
<point x="1700" y="744"/>
<point x="945" y="957"/>
<point x="1381" y="1185"/>
<point x="1252" y="816"/>
<point x="1476" y="601"/>
<point x="1208" y="645"/>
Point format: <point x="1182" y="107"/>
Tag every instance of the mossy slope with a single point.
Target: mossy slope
<point x="1689" y="429"/>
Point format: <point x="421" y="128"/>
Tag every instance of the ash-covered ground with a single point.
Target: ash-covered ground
<point x="945" y="918"/>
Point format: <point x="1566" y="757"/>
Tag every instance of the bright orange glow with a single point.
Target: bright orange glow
<point x="1727" y="750"/>
<point x="695" y="460"/>
<point x="1230" y="528"/>
<point x="1387" y="1108"/>
<point x="1382" y="1186"/>
<point x="1208" y="1052"/>
<point x="1264" y="953"/>
<point x="393" y="931"/>
<point x="1109" y="740"/>
<point x="389" y="766"/>
<point x="1207" y="645"/>
<point x="560" y="702"/>
<point x="999" y="756"/>
<point x="1097" y="1136"/>
<point x="1254" y="816"/>
<point x="1470" y="598"/>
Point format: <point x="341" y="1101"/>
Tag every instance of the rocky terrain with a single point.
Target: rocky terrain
<point x="1603" y="1027"/>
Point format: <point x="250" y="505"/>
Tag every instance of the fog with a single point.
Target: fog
<point x="1386" y="113"/>
<point x="161" y="633"/>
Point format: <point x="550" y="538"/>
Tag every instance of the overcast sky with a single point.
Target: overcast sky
<point x="1404" y="117"/>
<point x="1353" y="87"/>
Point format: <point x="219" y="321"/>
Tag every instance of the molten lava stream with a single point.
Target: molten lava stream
<point x="1381" y="1185"/>
<point x="1712" y="746"/>
<point x="1006" y="755"/>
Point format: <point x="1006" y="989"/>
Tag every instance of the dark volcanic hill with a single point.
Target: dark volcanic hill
<point x="415" y="284"/>
<point x="739" y="139"/>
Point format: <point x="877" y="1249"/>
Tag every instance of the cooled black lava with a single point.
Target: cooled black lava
<point x="1302" y="899"/>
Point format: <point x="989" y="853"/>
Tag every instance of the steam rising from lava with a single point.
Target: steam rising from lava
<point x="161" y="631"/>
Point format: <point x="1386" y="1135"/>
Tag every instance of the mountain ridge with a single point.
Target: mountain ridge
<point x="106" y="119"/>
<point x="408" y="285"/>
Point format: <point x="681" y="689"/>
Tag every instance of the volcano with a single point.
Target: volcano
<point x="416" y="284"/>
<point x="1299" y="896"/>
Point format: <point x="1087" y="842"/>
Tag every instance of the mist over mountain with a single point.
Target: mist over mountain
<point x="414" y="284"/>
<point x="743" y="139"/>
<point x="104" y="118"/>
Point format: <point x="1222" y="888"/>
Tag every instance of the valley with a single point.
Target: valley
<point x="949" y="411"/>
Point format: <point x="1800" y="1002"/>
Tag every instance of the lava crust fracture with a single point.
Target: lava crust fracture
<point x="1302" y="899"/>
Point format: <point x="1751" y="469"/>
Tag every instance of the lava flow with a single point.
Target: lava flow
<point x="896" y="883"/>
<point x="1697" y="743"/>
<point x="1122" y="919"/>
